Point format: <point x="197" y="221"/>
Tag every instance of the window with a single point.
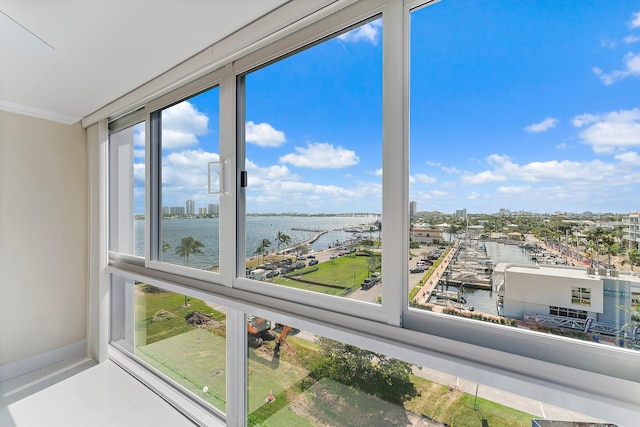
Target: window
<point x="182" y="337"/>
<point x="487" y="209"/>
<point x="127" y="210"/>
<point x="189" y="174"/>
<point x="504" y="124"/>
<point x="313" y="141"/>
<point x="581" y="296"/>
<point x="568" y="312"/>
<point x="299" y="378"/>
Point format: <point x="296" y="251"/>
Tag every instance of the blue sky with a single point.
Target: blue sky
<point x="534" y="107"/>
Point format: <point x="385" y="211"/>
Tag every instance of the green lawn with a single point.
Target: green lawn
<point x="162" y="315"/>
<point x="195" y="357"/>
<point x="338" y="272"/>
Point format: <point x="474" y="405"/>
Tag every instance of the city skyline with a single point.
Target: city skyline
<point x="522" y="114"/>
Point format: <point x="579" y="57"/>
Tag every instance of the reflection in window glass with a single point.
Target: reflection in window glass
<point x="296" y="378"/>
<point x="127" y="190"/>
<point x="313" y="137"/>
<point x="520" y="153"/>
<point x="190" y="214"/>
<point x="183" y="338"/>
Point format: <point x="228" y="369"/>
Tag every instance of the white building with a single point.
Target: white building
<point x="570" y="292"/>
<point x="191" y="207"/>
<point x="632" y="233"/>
<point x="429" y="236"/>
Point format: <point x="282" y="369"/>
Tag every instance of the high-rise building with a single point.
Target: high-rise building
<point x="413" y="208"/>
<point x="461" y="213"/>
<point x="191" y="207"/>
<point x="632" y="233"/>
<point x="213" y="209"/>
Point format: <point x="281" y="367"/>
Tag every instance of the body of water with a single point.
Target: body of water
<point x="482" y="300"/>
<point x="206" y="230"/>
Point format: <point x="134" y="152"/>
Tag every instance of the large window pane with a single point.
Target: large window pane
<point x="313" y="139"/>
<point x="524" y="149"/>
<point x="184" y="338"/>
<point x="127" y="190"/>
<point x="296" y="378"/>
<point x="189" y="222"/>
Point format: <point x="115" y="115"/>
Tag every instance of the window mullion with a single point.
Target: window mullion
<point x="395" y="161"/>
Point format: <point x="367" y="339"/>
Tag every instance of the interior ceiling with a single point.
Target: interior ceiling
<point x="103" y="49"/>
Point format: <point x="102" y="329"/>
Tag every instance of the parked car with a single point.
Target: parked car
<point x="313" y="262"/>
<point x="300" y="265"/>
<point x="367" y="283"/>
<point x="417" y="270"/>
<point x="285" y="270"/>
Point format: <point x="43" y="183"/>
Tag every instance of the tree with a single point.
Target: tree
<point x="263" y="248"/>
<point x="633" y="258"/>
<point x="188" y="246"/>
<point x="592" y="247"/>
<point x="283" y="239"/>
<point x="609" y="248"/>
<point x="375" y="374"/>
<point x="165" y="246"/>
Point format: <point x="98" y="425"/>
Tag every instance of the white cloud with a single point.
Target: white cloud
<point x="288" y="195"/>
<point x="631" y="63"/>
<point x="630" y="157"/>
<point x="606" y="132"/>
<point x="561" y="146"/>
<point x="368" y="32"/>
<point x="321" y="156"/>
<point x="425" y="179"/>
<point x="451" y="169"/>
<point x="263" y="134"/>
<point x="543" y="126"/>
<point x="185" y="176"/>
<point x="274" y="172"/>
<point x="515" y="190"/>
<point x="181" y="126"/>
<point x="635" y="21"/>
<point x="377" y="172"/>
<point x="631" y="39"/>
<point x="503" y="169"/>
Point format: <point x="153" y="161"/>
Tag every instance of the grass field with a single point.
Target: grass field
<point x="345" y="271"/>
<point x="195" y="357"/>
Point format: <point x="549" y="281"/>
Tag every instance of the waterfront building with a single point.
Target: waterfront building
<point x="190" y="207"/>
<point x="632" y="232"/>
<point x="177" y="210"/>
<point x="429" y="236"/>
<point x="213" y="209"/>
<point x="559" y="292"/>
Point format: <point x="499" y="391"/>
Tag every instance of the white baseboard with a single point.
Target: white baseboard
<point x="39" y="361"/>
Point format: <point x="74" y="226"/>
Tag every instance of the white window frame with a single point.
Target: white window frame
<point x="585" y="377"/>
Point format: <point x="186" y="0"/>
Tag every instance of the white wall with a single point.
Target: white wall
<point x="534" y="289"/>
<point x="43" y="238"/>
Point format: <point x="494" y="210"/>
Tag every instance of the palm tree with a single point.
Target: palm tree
<point x="592" y="247"/>
<point x="633" y="258"/>
<point x="610" y="247"/>
<point x="188" y="246"/>
<point x="283" y="239"/>
<point x="262" y="248"/>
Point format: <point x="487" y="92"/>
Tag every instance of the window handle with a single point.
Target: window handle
<point x="219" y="177"/>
